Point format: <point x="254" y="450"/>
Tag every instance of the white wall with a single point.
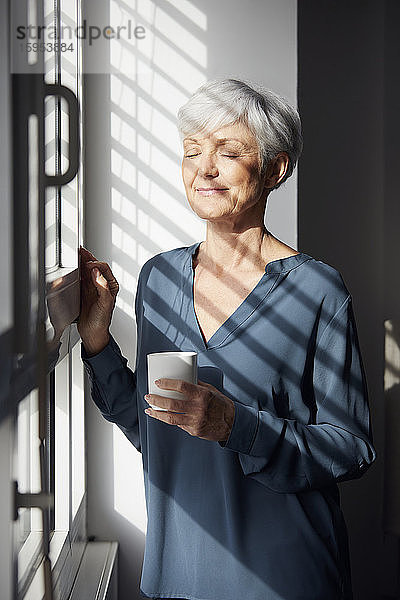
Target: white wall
<point x="135" y="203"/>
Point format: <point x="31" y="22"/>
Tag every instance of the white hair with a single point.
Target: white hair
<point x="273" y="121"/>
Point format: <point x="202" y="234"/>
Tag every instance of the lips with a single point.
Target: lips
<point x="208" y="191"/>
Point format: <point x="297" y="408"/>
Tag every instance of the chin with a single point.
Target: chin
<point x="208" y="212"/>
<point x="209" y="215"/>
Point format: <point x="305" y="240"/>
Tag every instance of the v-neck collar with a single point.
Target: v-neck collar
<point x="249" y="304"/>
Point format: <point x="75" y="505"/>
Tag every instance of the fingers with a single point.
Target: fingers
<point x="206" y="385"/>
<point x="104" y="269"/>
<point x="91" y="263"/>
<point x="103" y="287"/>
<point x="85" y="257"/>
<point x="102" y="276"/>
<point x="170" y="418"/>
<point x="171" y="404"/>
<point x="86" y="254"/>
<point x="98" y="279"/>
<point x="178" y="385"/>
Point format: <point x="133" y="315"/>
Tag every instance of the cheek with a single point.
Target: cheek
<point x="242" y="175"/>
<point x="188" y="173"/>
<point x="246" y="185"/>
<point x="247" y="189"/>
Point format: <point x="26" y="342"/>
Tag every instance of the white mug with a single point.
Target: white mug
<point x="172" y="365"/>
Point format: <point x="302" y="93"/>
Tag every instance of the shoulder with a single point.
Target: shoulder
<point x="169" y="264"/>
<point x="324" y="276"/>
<point x="321" y="285"/>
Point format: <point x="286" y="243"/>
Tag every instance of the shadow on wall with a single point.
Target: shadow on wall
<point x="106" y="520"/>
<point x="139" y="210"/>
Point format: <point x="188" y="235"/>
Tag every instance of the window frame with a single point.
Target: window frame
<point x="67" y="545"/>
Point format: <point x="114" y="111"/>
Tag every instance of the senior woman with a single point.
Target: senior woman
<point x="240" y="476"/>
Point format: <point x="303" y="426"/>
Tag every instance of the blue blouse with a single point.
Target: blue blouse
<point x="257" y="516"/>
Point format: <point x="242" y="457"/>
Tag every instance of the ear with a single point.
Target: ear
<point x="276" y="170"/>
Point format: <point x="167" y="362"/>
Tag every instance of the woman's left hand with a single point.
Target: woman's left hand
<point x="208" y="414"/>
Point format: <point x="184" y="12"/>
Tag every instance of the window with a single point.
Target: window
<point x="57" y="465"/>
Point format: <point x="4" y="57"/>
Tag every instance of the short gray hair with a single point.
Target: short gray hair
<point x="273" y="121"/>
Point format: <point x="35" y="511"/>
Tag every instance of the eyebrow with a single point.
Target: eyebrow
<point x="220" y="141"/>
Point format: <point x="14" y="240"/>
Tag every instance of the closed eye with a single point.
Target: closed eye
<point x="192" y="155"/>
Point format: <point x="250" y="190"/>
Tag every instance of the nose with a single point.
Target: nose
<point x="207" y="165"/>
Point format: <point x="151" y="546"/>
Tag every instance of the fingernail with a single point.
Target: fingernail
<point x="157" y="381"/>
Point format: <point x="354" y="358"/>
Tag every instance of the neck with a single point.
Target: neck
<point x="229" y="247"/>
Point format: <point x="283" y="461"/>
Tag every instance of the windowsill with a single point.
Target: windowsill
<point x="97" y="573"/>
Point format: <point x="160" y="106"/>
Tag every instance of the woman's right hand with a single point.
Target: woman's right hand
<point x="99" y="290"/>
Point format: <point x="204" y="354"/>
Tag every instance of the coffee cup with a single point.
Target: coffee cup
<point x="171" y="365"/>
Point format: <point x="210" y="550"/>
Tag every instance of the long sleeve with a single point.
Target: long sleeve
<point x="288" y="456"/>
<point x="113" y="389"/>
<point x="113" y="385"/>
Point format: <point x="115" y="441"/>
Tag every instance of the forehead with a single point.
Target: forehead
<point x="235" y="132"/>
